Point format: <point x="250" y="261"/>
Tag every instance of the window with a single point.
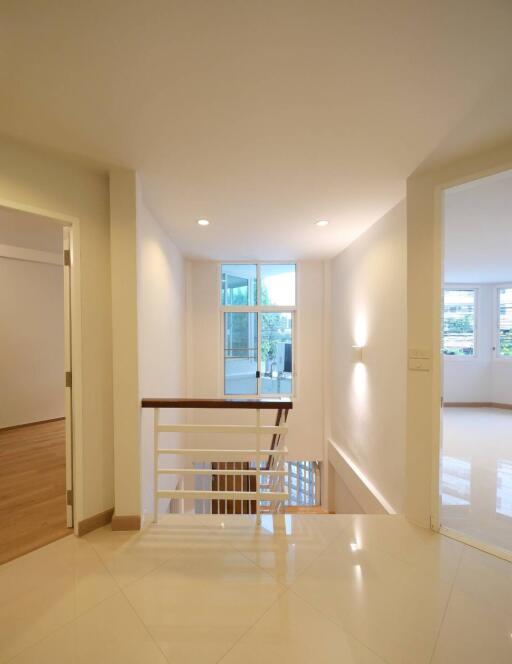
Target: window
<point x="302" y="480"/>
<point x="504" y="346"/>
<point x="258" y="313"/>
<point x="459" y="338"/>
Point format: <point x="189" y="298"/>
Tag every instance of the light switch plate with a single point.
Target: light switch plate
<point x="420" y="353"/>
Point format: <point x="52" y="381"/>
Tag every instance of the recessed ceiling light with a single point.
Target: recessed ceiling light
<point x="203" y="222"/>
<point x="322" y="222"/>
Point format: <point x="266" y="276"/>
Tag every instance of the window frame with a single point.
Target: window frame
<point x="258" y="309"/>
<point x="497" y="356"/>
<point x="476" y="290"/>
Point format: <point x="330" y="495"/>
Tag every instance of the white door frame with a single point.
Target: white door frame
<point x="437" y="362"/>
<point x="74" y="468"/>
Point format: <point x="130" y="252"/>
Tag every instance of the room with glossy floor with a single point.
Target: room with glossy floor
<point x="476" y="448"/>
<point x="477" y="474"/>
<point x="218" y="588"/>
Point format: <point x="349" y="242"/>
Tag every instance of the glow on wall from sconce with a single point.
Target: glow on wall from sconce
<point x="359" y="382"/>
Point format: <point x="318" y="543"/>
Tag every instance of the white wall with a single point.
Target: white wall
<point x="305" y="438"/>
<point x="502" y="382"/>
<point x="367" y="400"/>
<point x="161" y="299"/>
<point x="31" y="342"/>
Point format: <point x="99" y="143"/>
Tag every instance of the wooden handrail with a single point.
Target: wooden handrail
<point x="252" y="404"/>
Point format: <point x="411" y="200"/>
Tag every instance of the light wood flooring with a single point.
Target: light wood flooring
<point x="32" y="487"/>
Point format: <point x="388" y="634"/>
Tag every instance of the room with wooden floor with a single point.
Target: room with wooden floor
<point x="32" y="389"/>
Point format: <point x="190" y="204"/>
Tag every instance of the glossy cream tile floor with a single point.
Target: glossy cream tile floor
<point x="476" y="474"/>
<point x="300" y="588"/>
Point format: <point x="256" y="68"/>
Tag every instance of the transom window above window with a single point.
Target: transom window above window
<point x="258" y="304"/>
<point x="265" y="284"/>
<point x="239" y="285"/>
<point x="459" y="338"/>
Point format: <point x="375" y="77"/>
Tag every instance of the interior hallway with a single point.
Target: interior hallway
<point x="477" y="474"/>
<point x="32" y="487"/>
<point x="205" y="589"/>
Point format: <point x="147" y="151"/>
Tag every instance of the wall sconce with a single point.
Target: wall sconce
<point x="357" y="354"/>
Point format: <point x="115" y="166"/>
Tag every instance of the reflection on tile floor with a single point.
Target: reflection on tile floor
<point x="476" y="474"/>
<point x="299" y="588"/>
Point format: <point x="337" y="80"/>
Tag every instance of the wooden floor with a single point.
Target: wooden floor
<point x="32" y="487"/>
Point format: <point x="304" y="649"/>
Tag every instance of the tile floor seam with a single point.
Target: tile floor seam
<point x="219" y="661"/>
<point x="445" y="610"/>
<point x="338" y="624"/>
<point x="282" y="588"/>
<point x="266" y="572"/>
<point x="286" y="585"/>
<point x="77" y="616"/>
<point x="52" y="632"/>
<point x="308" y="565"/>
<point x="146" y="628"/>
<point x="139" y="578"/>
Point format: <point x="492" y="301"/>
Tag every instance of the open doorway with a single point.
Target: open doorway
<point x="36" y="460"/>
<point x="476" y="450"/>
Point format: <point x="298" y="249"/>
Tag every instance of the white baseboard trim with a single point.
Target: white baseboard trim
<point x="366" y="494"/>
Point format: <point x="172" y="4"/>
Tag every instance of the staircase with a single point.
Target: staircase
<point x="242" y="479"/>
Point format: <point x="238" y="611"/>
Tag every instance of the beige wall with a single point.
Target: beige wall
<point x="126" y="402"/>
<point x="37" y="178"/>
<point x="367" y="400"/>
<point x="161" y="297"/>
<point x="424" y="284"/>
<point x="305" y="438"/>
<point x="31" y="342"/>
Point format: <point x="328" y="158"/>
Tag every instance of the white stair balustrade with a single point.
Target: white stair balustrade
<point x="265" y="464"/>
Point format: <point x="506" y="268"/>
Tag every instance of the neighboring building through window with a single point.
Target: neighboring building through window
<point x="258" y="309"/>
<point x="504" y="347"/>
<point x="459" y="322"/>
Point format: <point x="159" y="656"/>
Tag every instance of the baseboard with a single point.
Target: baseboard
<point x="30" y="424"/>
<point x="130" y="522"/>
<point x="477" y="404"/>
<point x="94" y="522"/>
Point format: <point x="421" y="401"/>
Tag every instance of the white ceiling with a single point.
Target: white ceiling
<point x="260" y="116"/>
<point x="478" y="231"/>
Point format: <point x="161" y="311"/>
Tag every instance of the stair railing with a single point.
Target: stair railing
<point x="277" y="493"/>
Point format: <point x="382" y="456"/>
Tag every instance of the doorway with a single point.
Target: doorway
<point x="476" y="422"/>
<point x="36" y="419"/>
